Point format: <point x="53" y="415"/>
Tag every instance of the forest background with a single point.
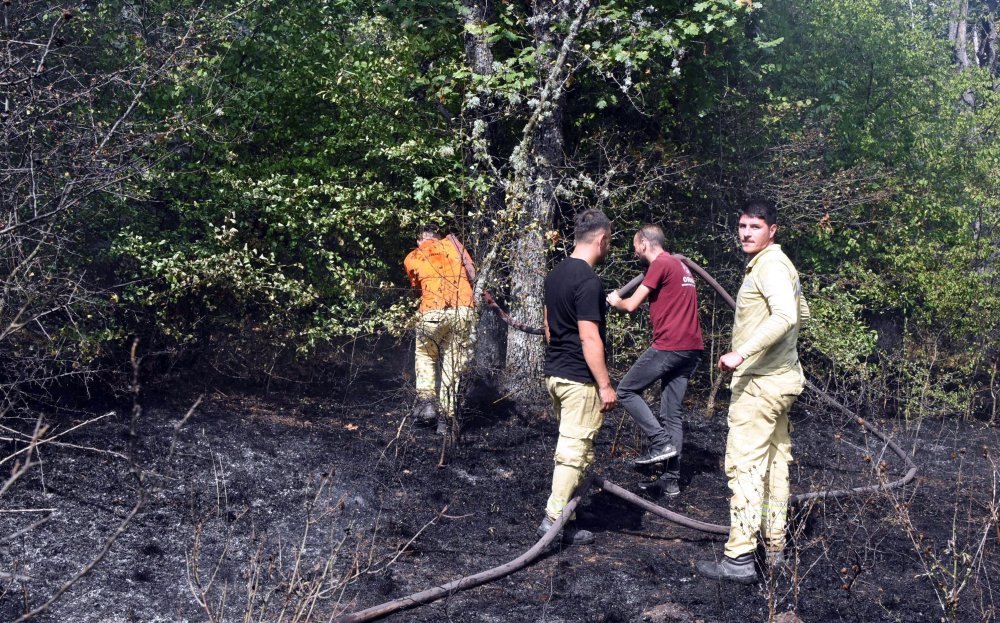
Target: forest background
<point x="235" y="184"/>
<point x="218" y="193"/>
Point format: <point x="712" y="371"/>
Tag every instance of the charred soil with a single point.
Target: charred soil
<point x="312" y="505"/>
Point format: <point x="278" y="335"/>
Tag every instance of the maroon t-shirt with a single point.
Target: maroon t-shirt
<point x="673" y="305"/>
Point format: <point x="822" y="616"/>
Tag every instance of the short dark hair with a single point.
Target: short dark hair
<point x="429" y="229"/>
<point x="653" y="234"/>
<point x="588" y="223"/>
<point x="759" y="208"/>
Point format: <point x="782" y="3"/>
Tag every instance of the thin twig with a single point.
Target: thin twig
<point x="410" y="542"/>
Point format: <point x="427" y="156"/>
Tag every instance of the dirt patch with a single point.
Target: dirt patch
<point x="322" y="505"/>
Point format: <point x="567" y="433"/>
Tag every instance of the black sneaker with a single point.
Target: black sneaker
<point x="571" y="535"/>
<point x="662" y="487"/>
<point x="739" y="569"/>
<point x="657" y="454"/>
<point x="671" y="487"/>
<point x="650" y="489"/>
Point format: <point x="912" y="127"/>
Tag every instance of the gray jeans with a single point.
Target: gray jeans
<point x="672" y="369"/>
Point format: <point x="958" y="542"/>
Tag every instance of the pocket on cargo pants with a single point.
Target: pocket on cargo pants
<point x="577" y="406"/>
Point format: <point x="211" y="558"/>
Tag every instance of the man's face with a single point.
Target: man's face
<point x="639" y="243"/>
<point x="755" y="234"/>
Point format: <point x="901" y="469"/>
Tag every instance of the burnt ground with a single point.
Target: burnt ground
<point x="302" y="505"/>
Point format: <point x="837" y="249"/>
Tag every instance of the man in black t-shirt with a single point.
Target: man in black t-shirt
<point x="576" y="374"/>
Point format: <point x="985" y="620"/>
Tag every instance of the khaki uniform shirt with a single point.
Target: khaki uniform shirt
<point x="769" y="311"/>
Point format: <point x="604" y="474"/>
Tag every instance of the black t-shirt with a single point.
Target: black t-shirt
<point x="573" y="292"/>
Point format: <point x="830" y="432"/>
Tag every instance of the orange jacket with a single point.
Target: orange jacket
<point x="436" y="267"/>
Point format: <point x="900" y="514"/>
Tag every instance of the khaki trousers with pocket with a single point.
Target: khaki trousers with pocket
<point x="577" y="407"/>
<point x="443" y="348"/>
<point x="758" y="450"/>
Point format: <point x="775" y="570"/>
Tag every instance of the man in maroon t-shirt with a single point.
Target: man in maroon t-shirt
<point x="673" y="357"/>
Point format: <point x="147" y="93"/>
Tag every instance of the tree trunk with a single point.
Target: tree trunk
<point x="959" y="30"/>
<point x="988" y="49"/>
<point x="480" y="121"/>
<point x="543" y="161"/>
<point x="958" y="33"/>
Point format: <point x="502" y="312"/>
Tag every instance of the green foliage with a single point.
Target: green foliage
<point x="291" y="216"/>
<point x="837" y="328"/>
<point x="78" y="142"/>
<point x="892" y="97"/>
<point x="298" y="144"/>
<point x="318" y="135"/>
<point x="852" y="117"/>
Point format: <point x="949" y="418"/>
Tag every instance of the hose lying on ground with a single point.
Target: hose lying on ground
<point x="469" y="581"/>
<point x="524" y="559"/>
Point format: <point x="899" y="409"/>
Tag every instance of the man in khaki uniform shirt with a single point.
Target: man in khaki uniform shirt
<point x="767" y="378"/>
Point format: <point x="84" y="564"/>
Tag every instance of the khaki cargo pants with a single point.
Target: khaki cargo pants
<point x="758" y="450"/>
<point x="577" y="406"/>
<point x="443" y="348"/>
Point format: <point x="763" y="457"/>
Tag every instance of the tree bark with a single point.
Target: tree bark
<point x="481" y="128"/>
<point x="960" y="38"/>
<point x="987" y="52"/>
<point x="542" y="166"/>
<point x="958" y="32"/>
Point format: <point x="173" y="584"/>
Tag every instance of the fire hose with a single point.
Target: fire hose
<point x="433" y="594"/>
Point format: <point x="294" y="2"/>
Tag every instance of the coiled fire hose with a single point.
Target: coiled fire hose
<point x="433" y="594"/>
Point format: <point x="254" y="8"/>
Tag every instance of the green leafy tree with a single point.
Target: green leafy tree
<point x="285" y="219"/>
<point x="856" y="119"/>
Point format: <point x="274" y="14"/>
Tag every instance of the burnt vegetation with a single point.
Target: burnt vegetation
<point x="205" y="364"/>
<point x="310" y="505"/>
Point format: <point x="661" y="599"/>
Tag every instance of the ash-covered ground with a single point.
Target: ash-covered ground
<point x="305" y="505"/>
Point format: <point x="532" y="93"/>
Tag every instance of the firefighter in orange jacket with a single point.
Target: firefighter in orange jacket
<point x="440" y="267"/>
